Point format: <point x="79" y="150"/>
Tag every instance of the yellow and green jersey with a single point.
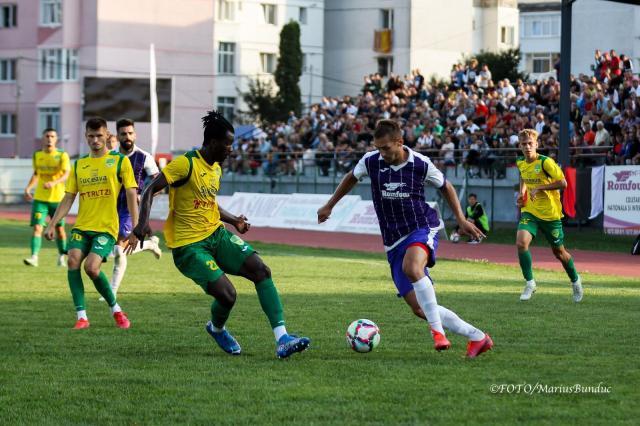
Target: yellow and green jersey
<point x="542" y="171"/>
<point x="193" y="209"/>
<point x="49" y="166"/>
<point x="98" y="181"/>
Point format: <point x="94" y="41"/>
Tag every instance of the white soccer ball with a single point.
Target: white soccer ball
<point x="363" y="335"/>
<point x="455" y="237"/>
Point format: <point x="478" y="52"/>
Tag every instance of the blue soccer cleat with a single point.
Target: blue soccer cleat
<point x="224" y="339"/>
<point x="289" y="344"/>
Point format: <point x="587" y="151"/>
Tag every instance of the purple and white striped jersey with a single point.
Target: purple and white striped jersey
<point x="398" y="193"/>
<point x="143" y="166"/>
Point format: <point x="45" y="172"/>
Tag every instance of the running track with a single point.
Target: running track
<point x="586" y="260"/>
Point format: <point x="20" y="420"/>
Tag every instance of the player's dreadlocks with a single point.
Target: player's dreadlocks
<point x="215" y="126"/>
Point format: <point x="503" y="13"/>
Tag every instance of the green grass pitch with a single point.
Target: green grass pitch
<point x="167" y="370"/>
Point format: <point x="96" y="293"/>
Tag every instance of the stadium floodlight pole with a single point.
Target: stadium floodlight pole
<point x="565" y="72"/>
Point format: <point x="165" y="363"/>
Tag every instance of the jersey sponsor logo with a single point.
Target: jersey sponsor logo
<point x="393" y="186"/>
<point x="204" y="204"/>
<point x="98" y="193"/>
<point x="391" y="190"/>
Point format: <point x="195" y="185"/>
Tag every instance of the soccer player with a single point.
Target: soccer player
<point x="202" y="248"/>
<point x="539" y="200"/>
<point x="475" y="214"/>
<point x="97" y="177"/>
<point x="50" y="171"/>
<point x="143" y="167"/>
<point x="410" y="227"/>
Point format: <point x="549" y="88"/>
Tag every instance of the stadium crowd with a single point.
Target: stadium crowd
<point x="472" y="120"/>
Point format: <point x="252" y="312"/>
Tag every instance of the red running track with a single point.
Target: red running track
<point x="595" y="262"/>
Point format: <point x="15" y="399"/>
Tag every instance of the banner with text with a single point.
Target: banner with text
<point x="622" y="200"/>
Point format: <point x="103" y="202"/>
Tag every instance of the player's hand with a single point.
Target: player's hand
<point x="27" y="195"/>
<point x="140" y="232"/>
<point x="324" y="213"/>
<point x="242" y="224"/>
<point x="131" y="243"/>
<point x="49" y="233"/>
<point x="470" y="229"/>
<point x="533" y="193"/>
<point x="48" y="185"/>
<point x="521" y="200"/>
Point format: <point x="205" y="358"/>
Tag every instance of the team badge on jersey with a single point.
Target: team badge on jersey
<point x="110" y="162"/>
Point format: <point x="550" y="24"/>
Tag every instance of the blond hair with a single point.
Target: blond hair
<point x="528" y="133"/>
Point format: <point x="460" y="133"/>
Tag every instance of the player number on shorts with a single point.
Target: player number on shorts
<point x="212" y="265"/>
<point x="77" y="237"/>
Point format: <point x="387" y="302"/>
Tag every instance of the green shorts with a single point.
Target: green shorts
<point x="40" y="210"/>
<point x="100" y="243"/>
<point x="207" y="260"/>
<point x="552" y="229"/>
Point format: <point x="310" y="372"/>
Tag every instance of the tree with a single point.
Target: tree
<point x="503" y="64"/>
<point x="289" y="69"/>
<point x="261" y="101"/>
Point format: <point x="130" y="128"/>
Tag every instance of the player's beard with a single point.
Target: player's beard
<point x="126" y="145"/>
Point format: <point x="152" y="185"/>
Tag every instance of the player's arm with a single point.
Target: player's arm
<point x="32" y="182"/>
<point x="555" y="173"/>
<point x="239" y="222"/>
<point x="61" y="212"/>
<point x="142" y="229"/>
<point x="345" y="186"/>
<point x="61" y="179"/>
<point x="466" y="227"/>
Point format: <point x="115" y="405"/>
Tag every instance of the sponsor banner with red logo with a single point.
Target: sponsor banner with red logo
<point x="622" y="200"/>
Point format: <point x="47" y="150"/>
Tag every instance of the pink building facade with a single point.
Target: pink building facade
<point x="48" y="48"/>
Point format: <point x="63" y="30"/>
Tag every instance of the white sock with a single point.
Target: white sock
<point x="426" y="296"/>
<point x="115" y="308"/>
<point x="453" y="323"/>
<point x="82" y="314"/>
<point x="279" y="331"/>
<point x="216" y="329"/>
<point x="119" y="268"/>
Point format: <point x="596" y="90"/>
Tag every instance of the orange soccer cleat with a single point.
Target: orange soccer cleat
<point x="81" y="324"/>
<point x="121" y="320"/>
<point x="479" y="346"/>
<point x="441" y="343"/>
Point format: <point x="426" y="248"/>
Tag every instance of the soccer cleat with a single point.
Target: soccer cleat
<point x="476" y="348"/>
<point x="455" y="237"/>
<point x="62" y="261"/>
<point x="155" y="249"/>
<point x="440" y="341"/>
<point x="81" y="324"/>
<point x="577" y="290"/>
<point x="290" y="344"/>
<point x="473" y="241"/>
<point x="224" y="339"/>
<point x="528" y="291"/>
<point x="31" y="261"/>
<point x="121" y="320"/>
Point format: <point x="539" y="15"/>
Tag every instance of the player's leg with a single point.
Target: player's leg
<point x="555" y="236"/>
<point x="119" y="263"/>
<point x="101" y="246"/>
<point x="527" y="229"/>
<point x="196" y="262"/>
<point x="79" y="247"/>
<point x="38" y="220"/>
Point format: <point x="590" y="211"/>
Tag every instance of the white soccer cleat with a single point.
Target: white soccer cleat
<point x="62" y="261"/>
<point x="577" y="290"/>
<point x="155" y="248"/>
<point x="527" y="292"/>
<point x="31" y="261"/>
<point x="455" y="237"/>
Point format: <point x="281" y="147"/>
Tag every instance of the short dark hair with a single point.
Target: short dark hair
<point x="96" y="123"/>
<point x="473" y="195"/>
<point x="124" y="122"/>
<point x="387" y="128"/>
<point x="49" y="129"/>
<point x="215" y="126"/>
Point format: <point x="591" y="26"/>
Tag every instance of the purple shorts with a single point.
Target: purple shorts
<point x="423" y="236"/>
<point x="125" y="225"/>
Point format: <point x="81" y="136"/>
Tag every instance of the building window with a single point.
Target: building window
<point x="302" y="15"/>
<point x="507" y="35"/>
<point x="8" y="16"/>
<point x="7" y="124"/>
<point x="541" y="62"/>
<point x="386" y="18"/>
<point x="7" y="70"/>
<point x="48" y="117"/>
<point x="268" y="62"/>
<point x="58" y="64"/>
<point x="305" y="62"/>
<point x="385" y="65"/>
<point x="50" y="12"/>
<point x="227" y="107"/>
<point x="226" y="10"/>
<point x="541" y="26"/>
<point x="226" y="58"/>
<point x="270" y="15"/>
